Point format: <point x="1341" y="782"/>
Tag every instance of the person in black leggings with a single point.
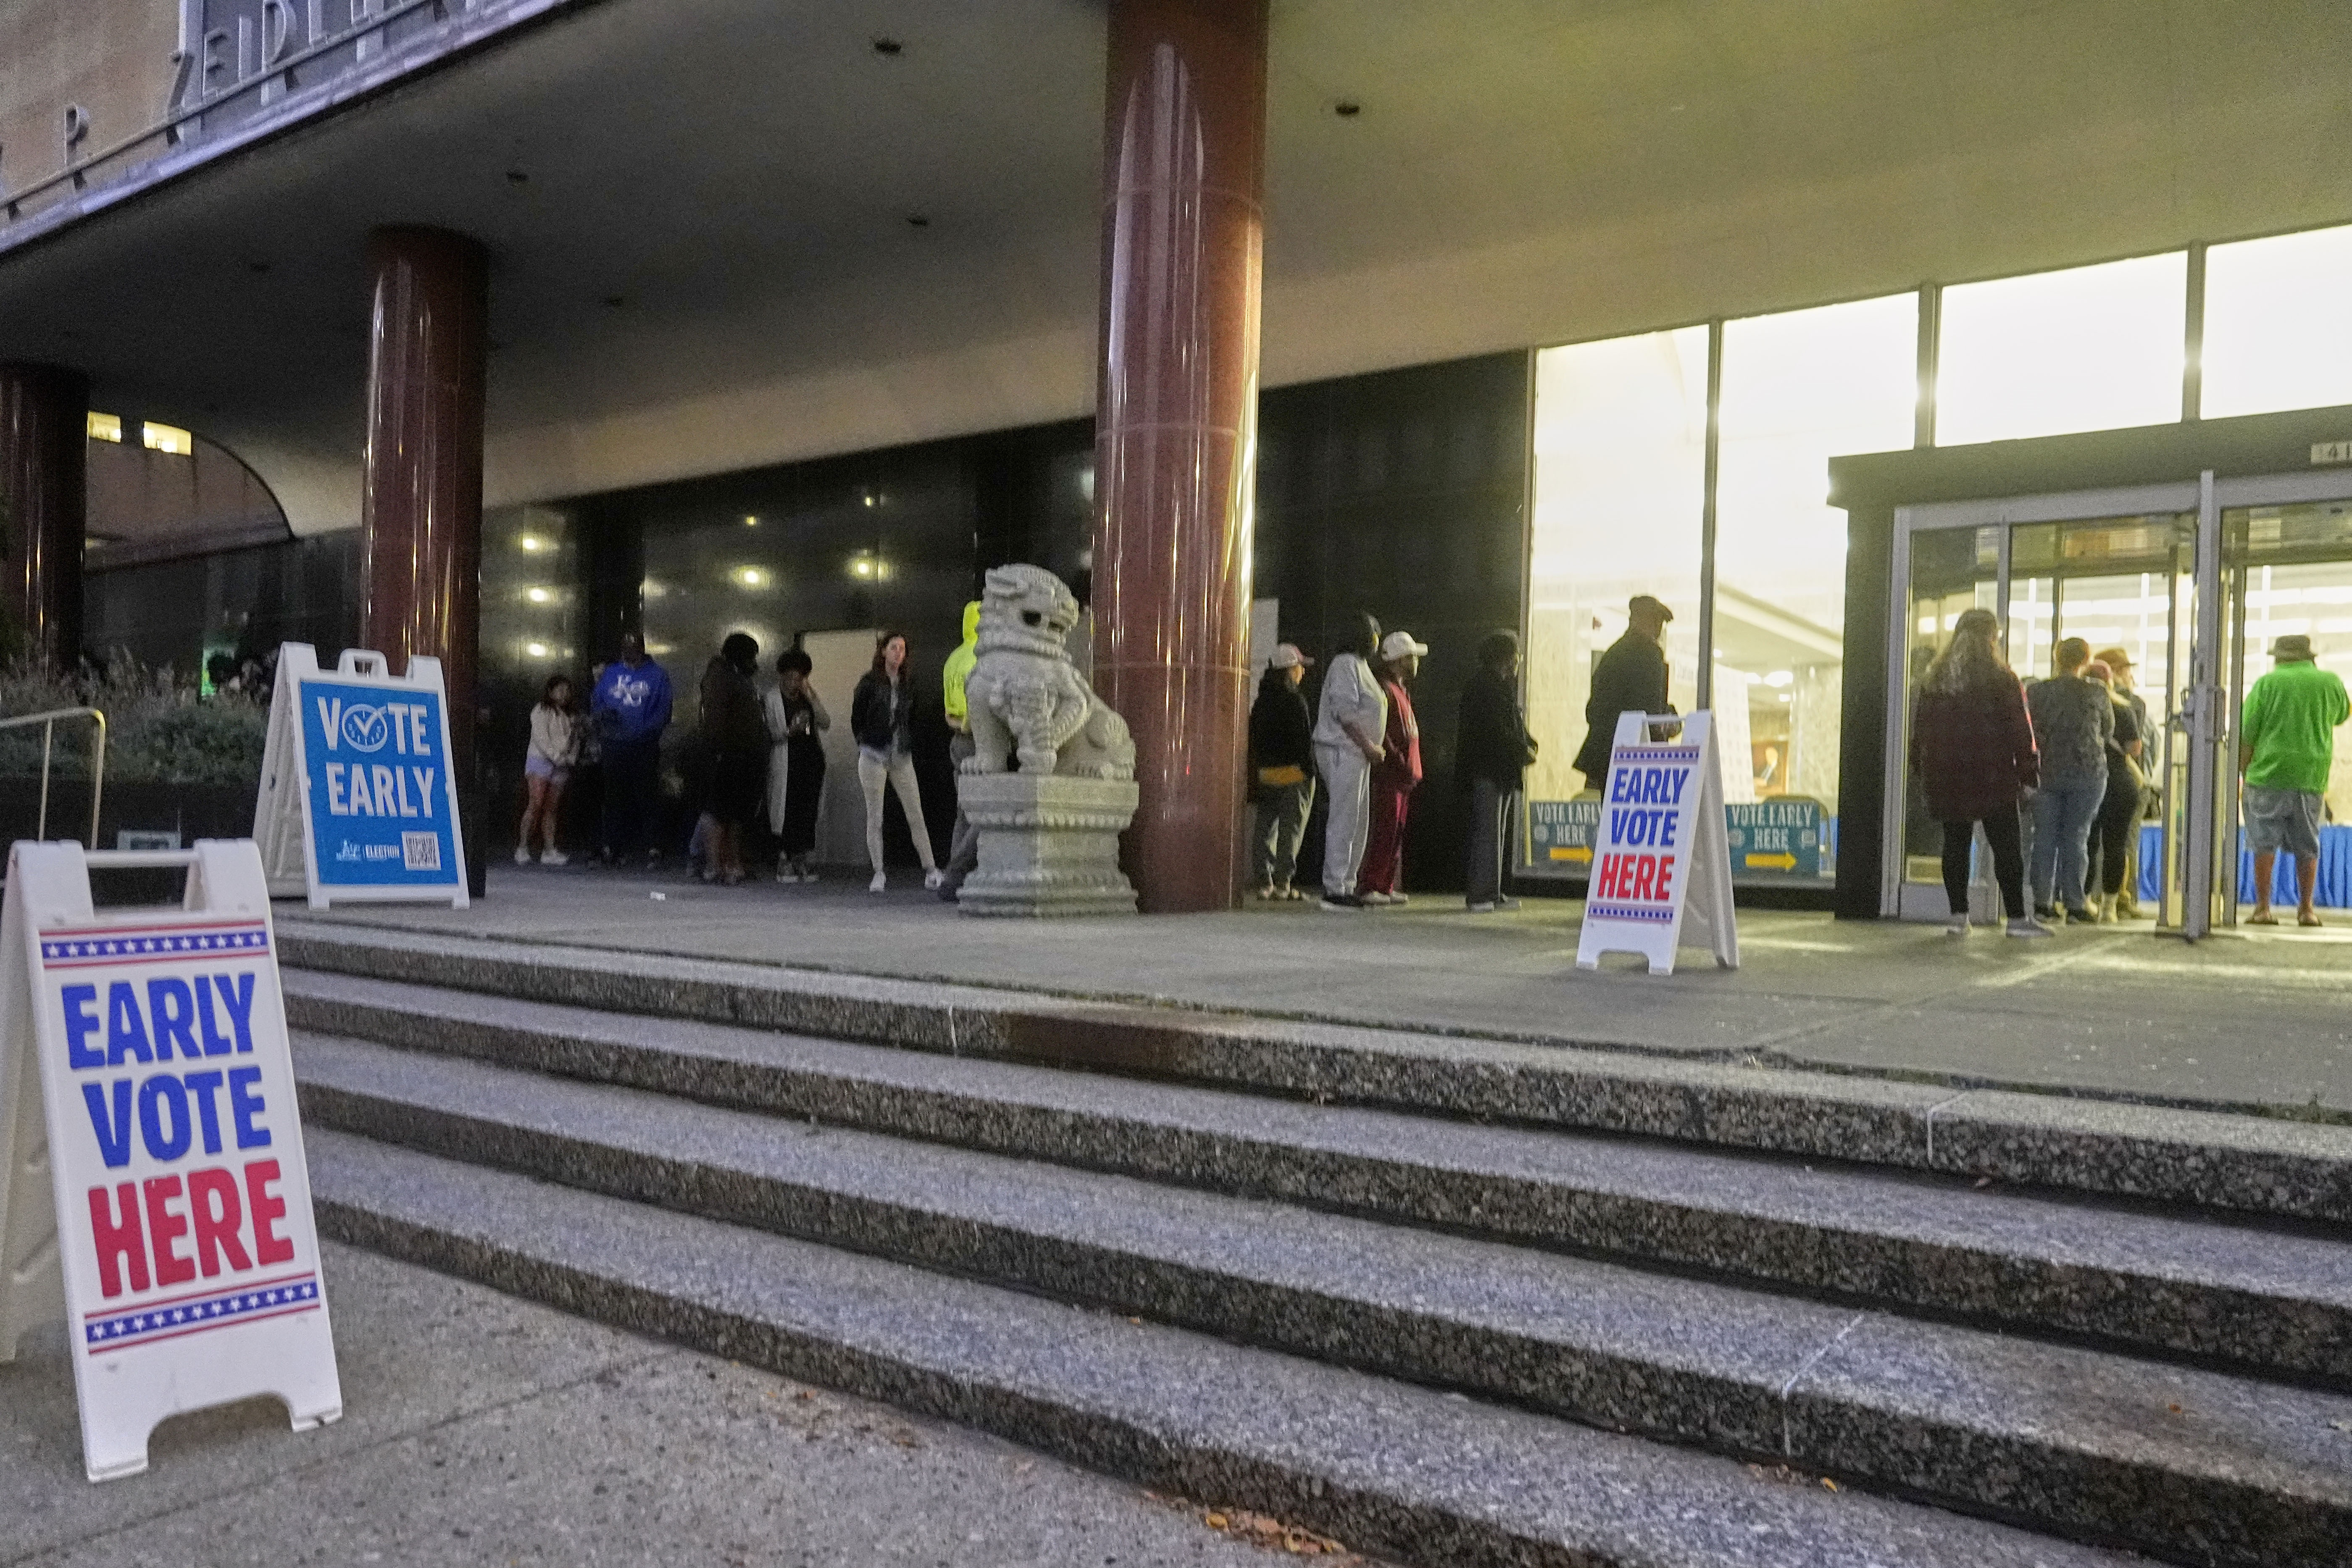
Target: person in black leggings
<point x="2119" y="817"/>
<point x="1972" y="752"/>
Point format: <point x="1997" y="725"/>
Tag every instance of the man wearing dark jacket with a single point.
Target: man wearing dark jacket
<point x="1282" y="757"/>
<point x="1630" y="677"/>
<point x="1491" y="755"/>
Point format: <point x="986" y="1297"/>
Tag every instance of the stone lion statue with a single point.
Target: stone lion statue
<point x="1025" y="698"/>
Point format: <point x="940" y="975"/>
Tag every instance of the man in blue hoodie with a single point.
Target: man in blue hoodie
<point x="629" y="711"/>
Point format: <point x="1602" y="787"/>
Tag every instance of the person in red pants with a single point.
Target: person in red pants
<point x="1394" y="775"/>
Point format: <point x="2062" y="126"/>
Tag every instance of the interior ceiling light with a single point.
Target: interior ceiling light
<point x="531" y="544"/>
<point x="537" y="595"/>
<point x="750" y="576"/>
<point x="750" y="521"/>
<point x="536" y="650"/>
<point x="862" y="567"/>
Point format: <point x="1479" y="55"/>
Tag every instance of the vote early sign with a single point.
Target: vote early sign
<point x="156" y="1042"/>
<point x="1660" y="853"/>
<point x="357" y="799"/>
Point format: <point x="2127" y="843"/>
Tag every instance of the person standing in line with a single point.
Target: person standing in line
<point x="2074" y="720"/>
<point x="1282" y="753"/>
<point x="2287" y="746"/>
<point x="1395" y="776"/>
<point x="1349" y="725"/>
<point x="797" y="724"/>
<point x="2119" y="664"/>
<point x="2118" y="819"/>
<point x="628" y="711"/>
<point x="882" y="717"/>
<point x="963" y="844"/>
<point x="1630" y="677"/>
<point x="735" y="740"/>
<point x="1972" y="752"/>
<point x="547" y="767"/>
<point x="1492" y="752"/>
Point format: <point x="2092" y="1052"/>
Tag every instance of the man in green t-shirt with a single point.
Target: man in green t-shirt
<point x="2287" y="744"/>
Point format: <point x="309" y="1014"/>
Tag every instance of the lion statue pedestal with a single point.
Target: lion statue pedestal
<point x="1048" y="834"/>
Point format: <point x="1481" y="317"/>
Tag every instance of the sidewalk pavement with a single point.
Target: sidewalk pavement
<point x="480" y="1428"/>
<point x="2256" y="1022"/>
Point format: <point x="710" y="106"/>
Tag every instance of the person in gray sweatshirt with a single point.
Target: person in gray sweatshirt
<point x="2074" y="720"/>
<point x="1350" y="720"/>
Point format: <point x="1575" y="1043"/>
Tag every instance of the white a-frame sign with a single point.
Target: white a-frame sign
<point x="153" y="1190"/>
<point x="1661" y="856"/>
<point x="358" y="801"/>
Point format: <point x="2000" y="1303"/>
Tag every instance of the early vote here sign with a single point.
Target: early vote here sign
<point x="378" y="784"/>
<point x="1643" y="818"/>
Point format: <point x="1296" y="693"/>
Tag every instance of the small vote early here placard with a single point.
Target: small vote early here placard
<point x="155" y="1041"/>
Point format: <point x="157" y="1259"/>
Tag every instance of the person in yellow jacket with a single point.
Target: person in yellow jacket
<point x="963" y="851"/>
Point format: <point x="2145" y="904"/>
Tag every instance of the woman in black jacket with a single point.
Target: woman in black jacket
<point x="882" y="717"/>
<point x="1282" y="756"/>
<point x="735" y="737"/>
<point x="1491" y="755"/>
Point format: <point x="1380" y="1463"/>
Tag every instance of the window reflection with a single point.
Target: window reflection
<point x="2278" y="323"/>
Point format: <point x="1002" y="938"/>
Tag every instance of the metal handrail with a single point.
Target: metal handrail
<point x="48" y="722"/>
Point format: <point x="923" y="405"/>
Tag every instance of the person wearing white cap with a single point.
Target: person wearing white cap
<point x="1349" y="727"/>
<point x="1394" y="776"/>
<point x="1282" y="771"/>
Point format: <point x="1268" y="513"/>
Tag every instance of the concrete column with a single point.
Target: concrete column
<point x="422" y="508"/>
<point x="1183" y="161"/>
<point x="44" y="425"/>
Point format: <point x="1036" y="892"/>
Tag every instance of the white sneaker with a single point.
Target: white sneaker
<point x="934" y="878"/>
<point x="2028" y="927"/>
<point x="522" y="857"/>
<point x="1956" y="926"/>
<point x="878" y="883"/>
<point x="1482" y="907"/>
<point x="553" y="858"/>
<point x="1375" y="899"/>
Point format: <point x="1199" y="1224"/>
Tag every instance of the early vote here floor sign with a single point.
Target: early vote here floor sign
<point x="183" y="1212"/>
<point x="378" y="784"/>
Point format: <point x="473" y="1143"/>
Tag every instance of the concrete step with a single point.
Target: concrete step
<point x="2193" y="1465"/>
<point x="1385" y="1466"/>
<point x="2107" y="1148"/>
<point x="2256" y="1298"/>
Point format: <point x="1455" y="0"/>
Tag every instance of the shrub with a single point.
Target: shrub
<point x="157" y="728"/>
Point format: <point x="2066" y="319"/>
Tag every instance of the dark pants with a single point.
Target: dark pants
<point x="963" y="849"/>
<point x="2008" y="861"/>
<point x="1282" y="813"/>
<point x="632" y="795"/>
<point x="1485" y="878"/>
<point x="2112" y="833"/>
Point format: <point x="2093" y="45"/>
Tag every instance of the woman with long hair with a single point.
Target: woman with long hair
<point x="547" y="767"/>
<point x="1972" y="752"/>
<point x="882" y="717"/>
<point x="2118" y="817"/>
<point x="797" y="724"/>
<point x="735" y="736"/>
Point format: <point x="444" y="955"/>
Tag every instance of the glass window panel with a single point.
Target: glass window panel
<point x="1799" y="388"/>
<point x="1621" y="470"/>
<point x="2091" y="348"/>
<point x="2278" y="323"/>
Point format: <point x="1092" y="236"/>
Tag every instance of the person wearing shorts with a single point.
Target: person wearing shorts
<point x="2287" y="746"/>
<point x="547" y="768"/>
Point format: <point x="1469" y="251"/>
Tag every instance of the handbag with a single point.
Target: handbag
<point x="1277" y="778"/>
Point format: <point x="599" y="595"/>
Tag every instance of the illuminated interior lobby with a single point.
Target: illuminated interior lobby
<point x="794" y="318"/>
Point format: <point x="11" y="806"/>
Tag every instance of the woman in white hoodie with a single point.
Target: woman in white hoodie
<point x="547" y="768"/>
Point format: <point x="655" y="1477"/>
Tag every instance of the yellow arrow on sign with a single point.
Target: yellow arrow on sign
<point x="1573" y="854"/>
<point x="1783" y="861"/>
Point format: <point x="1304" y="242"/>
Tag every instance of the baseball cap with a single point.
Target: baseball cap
<point x="1397" y="645"/>
<point x="1287" y="656"/>
<point x="1657" y="607"/>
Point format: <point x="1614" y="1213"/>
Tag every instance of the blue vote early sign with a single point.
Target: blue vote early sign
<point x="362" y="759"/>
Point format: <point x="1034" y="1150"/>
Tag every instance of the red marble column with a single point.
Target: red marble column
<point x="44" y="425"/>
<point x="1183" y="162"/>
<point x="422" y="507"/>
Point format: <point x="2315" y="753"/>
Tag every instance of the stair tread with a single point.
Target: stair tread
<point x="1194" y="1411"/>
<point x="1813" y="1364"/>
<point x="2075" y="1233"/>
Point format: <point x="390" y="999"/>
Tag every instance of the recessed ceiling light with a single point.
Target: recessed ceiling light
<point x="888" y="46"/>
<point x="1347" y="108"/>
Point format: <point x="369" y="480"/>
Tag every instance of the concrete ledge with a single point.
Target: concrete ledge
<point x="2238" y="1472"/>
<point x="1388" y="1466"/>
<point x="2279" y="1304"/>
<point x="2185" y="1157"/>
